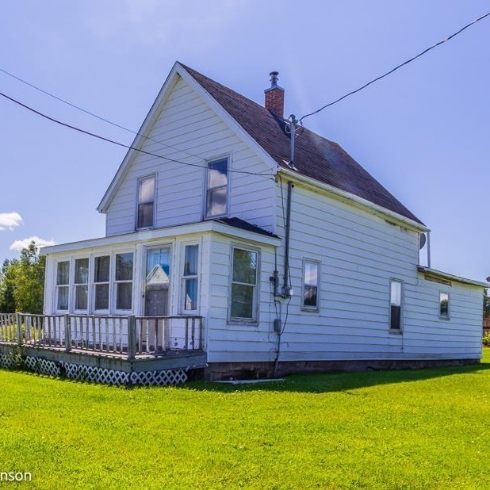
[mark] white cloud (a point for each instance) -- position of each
(10, 220)
(40, 242)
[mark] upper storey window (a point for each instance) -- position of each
(146, 202)
(217, 188)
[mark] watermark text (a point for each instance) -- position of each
(15, 476)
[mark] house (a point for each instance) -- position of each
(290, 254)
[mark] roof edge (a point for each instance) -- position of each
(359, 201)
(451, 277)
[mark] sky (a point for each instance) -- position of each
(423, 132)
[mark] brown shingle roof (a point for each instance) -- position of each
(315, 156)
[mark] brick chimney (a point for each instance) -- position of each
(274, 96)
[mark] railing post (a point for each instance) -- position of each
(67, 333)
(131, 337)
(201, 341)
(19, 328)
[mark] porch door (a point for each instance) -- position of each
(157, 281)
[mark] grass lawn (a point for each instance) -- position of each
(388, 430)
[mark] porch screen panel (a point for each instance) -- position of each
(190, 280)
(81, 284)
(124, 281)
(101, 281)
(62, 285)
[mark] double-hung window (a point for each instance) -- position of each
(124, 281)
(217, 188)
(146, 202)
(311, 276)
(244, 285)
(62, 285)
(190, 283)
(444, 305)
(395, 304)
(81, 284)
(101, 282)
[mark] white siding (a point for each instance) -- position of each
(187, 130)
(235, 342)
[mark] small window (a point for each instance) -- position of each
(124, 281)
(81, 284)
(444, 305)
(395, 304)
(101, 282)
(190, 277)
(244, 285)
(310, 285)
(146, 200)
(62, 285)
(217, 185)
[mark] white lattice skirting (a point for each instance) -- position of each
(93, 374)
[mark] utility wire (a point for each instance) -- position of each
(396, 67)
(108, 140)
(108, 121)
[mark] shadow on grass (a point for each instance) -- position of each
(338, 381)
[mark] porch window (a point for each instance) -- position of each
(444, 305)
(395, 304)
(190, 277)
(310, 285)
(81, 284)
(146, 200)
(124, 281)
(244, 285)
(217, 185)
(101, 282)
(62, 285)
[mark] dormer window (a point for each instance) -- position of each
(146, 202)
(217, 188)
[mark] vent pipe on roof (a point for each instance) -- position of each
(274, 96)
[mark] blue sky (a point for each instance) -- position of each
(423, 132)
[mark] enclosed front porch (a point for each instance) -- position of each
(113, 349)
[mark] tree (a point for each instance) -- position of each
(7, 300)
(486, 303)
(22, 282)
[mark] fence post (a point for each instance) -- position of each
(67, 333)
(131, 337)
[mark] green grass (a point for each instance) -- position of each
(389, 430)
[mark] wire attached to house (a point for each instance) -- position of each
(108, 121)
(396, 68)
(118, 143)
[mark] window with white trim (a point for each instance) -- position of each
(124, 281)
(244, 285)
(311, 275)
(217, 188)
(190, 282)
(102, 267)
(444, 305)
(146, 202)
(395, 304)
(81, 284)
(63, 285)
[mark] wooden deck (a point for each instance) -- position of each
(119, 344)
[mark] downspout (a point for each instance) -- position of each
(286, 289)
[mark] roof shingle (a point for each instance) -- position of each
(315, 156)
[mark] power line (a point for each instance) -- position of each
(396, 68)
(108, 121)
(108, 140)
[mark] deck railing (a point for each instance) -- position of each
(129, 336)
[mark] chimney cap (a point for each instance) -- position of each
(274, 78)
